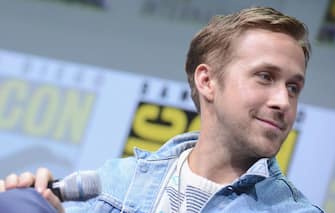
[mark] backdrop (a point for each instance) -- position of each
(68, 116)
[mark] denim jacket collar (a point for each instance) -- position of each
(171, 149)
(264, 167)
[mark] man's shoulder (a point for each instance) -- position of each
(280, 192)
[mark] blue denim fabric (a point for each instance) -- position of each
(132, 185)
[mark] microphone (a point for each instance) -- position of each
(78, 186)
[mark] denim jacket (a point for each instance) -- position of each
(133, 184)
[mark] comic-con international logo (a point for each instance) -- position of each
(44, 110)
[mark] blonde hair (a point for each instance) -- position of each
(213, 43)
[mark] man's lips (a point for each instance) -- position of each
(277, 124)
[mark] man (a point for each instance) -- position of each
(246, 71)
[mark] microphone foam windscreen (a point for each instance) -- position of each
(81, 186)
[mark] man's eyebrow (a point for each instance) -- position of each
(299, 77)
(270, 67)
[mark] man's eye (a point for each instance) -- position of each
(265, 76)
(293, 89)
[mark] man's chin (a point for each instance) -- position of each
(270, 149)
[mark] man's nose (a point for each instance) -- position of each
(279, 99)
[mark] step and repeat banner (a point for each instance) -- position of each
(68, 116)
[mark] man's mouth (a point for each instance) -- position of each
(277, 124)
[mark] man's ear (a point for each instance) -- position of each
(204, 81)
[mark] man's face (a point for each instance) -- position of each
(255, 104)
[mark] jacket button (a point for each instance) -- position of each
(230, 188)
(131, 205)
(143, 168)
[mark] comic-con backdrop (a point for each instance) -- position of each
(68, 116)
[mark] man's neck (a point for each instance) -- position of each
(216, 162)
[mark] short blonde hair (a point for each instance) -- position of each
(213, 43)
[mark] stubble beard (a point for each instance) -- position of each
(248, 142)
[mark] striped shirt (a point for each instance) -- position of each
(185, 191)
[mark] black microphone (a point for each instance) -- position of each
(78, 186)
